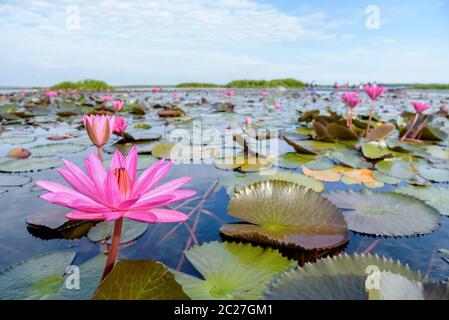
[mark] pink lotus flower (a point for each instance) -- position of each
(374, 91)
(155, 90)
(221, 91)
(22, 93)
(119, 126)
(106, 98)
(99, 128)
(52, 93)
(248, 121)
(277, 105)
(265, 94)
(351, 99)
(420, 106)
(117, 193)
(229, 93)
(118, 105)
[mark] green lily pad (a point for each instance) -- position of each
(55, 148)
(433, 174)
(375, 151)
(381, 133)
(285, 214)
(381, 177)
(142, 126)
(162, 150)
(37, 278)
(340, 132)
(131, 230)
(7, 180)
(17, 139)
(435, 196)
(139, 280)
(293, 160)
(90, 273)
(321, 163)
(231, 271)
(350, 158)
(398, 168)
(29, 164)
(322, 133)
(341, 277)
(385, 213)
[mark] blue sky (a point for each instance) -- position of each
(172, 41)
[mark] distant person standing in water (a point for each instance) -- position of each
(336, 86)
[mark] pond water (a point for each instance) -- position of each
(18, 204)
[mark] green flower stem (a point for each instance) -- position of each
(368, 126)
(415, 119)
(113, 249)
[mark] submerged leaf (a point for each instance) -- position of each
(29, 164)
(131, 230)
(385, 213)
(231, 271)
(286, 214)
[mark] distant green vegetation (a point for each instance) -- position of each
(439, 86)
(288, 83)
(197, 85)
(82, 85)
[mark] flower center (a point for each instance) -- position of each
(123, 181)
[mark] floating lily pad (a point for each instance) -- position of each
(385, 213)
(381, 177)
(328, 175)
(90, 273)
(131, 230)
(435, 196)
(433, 174)
(37, 278)
(340, 132)
(244, 164)
(398, 168)
(361, 176)
(293, 159)
(321, 163)
(382, 132)
(236, 181)
(231, 271)
(55, 148)
(29, 164)
(350, 158)
(162, 150)
(139, 280)
(341, 277)
(17, 139)
(286, 214)
(7, 180)
(375, 151)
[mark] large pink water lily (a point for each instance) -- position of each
(117, 193)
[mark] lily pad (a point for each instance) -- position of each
(293, 159)
(55, 148)
(90, 273)
(375, 151)
(162, 150)
(321, 163)
(350, 158)
(340, 132)
(381, 133)
(381, 177)
(398, 168)
(29, 164)
(435, 196)
(231, 271)
(131, 230)
(328, 175)
(361, 176)
(385, 213)
(7, 180)
(139, 280)
(37, 278)
(433, 174)
(244, 164)
(286, 214)
(17, 139)
(341, 277)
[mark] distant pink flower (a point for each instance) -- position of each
(229, 93)
(119, 126)
(22, 93)
(221, 91)
(117, 193)
(106, 98)
(374, 91)
(118, 105)
(52, 93)
(99, 128)
(277, 105)
(420, 106)
(265, 94)
(351, 99)
(155, 90)
(175, 96)
(248, 121)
